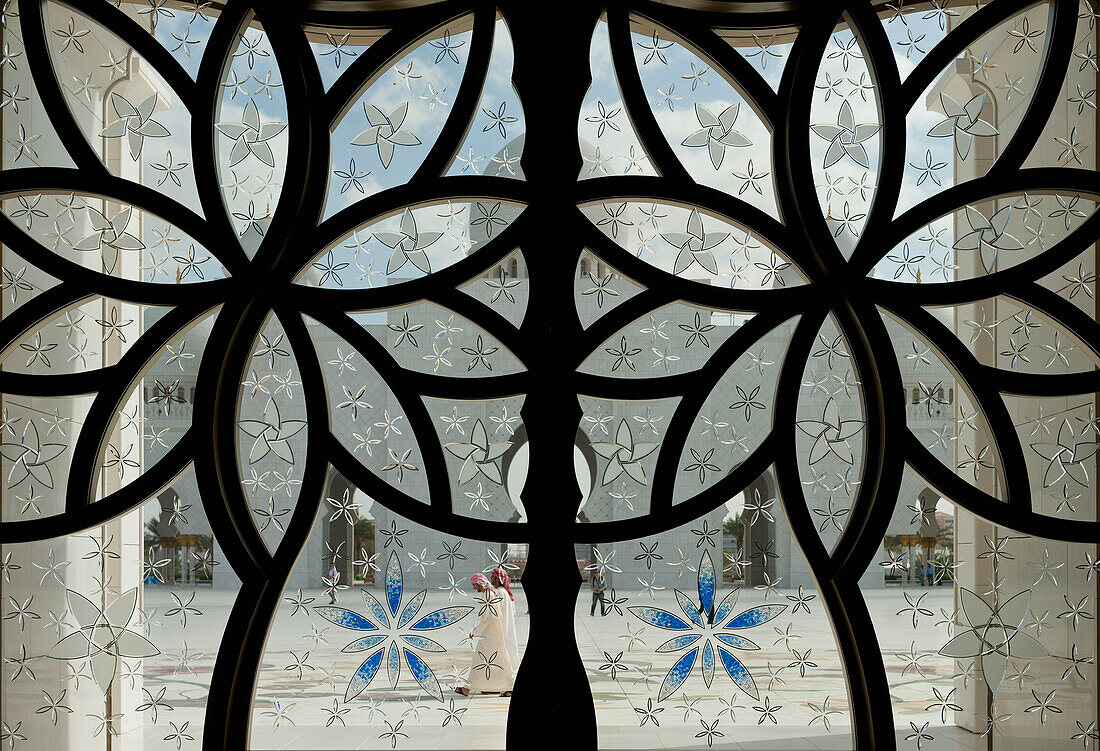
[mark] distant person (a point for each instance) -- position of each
(599, 587)
(333, 577)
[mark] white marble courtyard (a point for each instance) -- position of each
(300, 713)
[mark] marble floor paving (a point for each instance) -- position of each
(300, 697)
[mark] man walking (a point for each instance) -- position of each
(333, 578)
(598, 589)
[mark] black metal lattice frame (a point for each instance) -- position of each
(551, 81)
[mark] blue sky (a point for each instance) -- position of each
(426, 81)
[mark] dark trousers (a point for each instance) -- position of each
(597, 597)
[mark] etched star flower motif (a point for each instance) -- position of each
(478, 455)
(993, 635)
(408, 245)
(1066, 457)
(135, 123)
(716, 133)
(102, 637)
(846, 138)
(30, 457)
(695, 245)
(988, 236)
(830, 434)
(385, 132)
(109, 233)
(963, 122)
(624, 455)
(251, 136)
(271, 434)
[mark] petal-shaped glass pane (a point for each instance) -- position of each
(251, 138)
(494, 142)
(369, 421)
(155, 416)
(983, 238)
(388, 131)
(273, 432)
(943, 410)
(831, 424)
(133, 110)
(736, 416)
(108, 431)
(691, 244)
(674, 339)
(705, 115)
(120, 239)
(409, 244)
(609, 144)
(845, 138)
(960, 125)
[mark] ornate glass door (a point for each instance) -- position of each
(468, 374)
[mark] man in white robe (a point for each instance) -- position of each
(492, 670)
(503, 584)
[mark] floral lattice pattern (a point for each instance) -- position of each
(761, 287)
